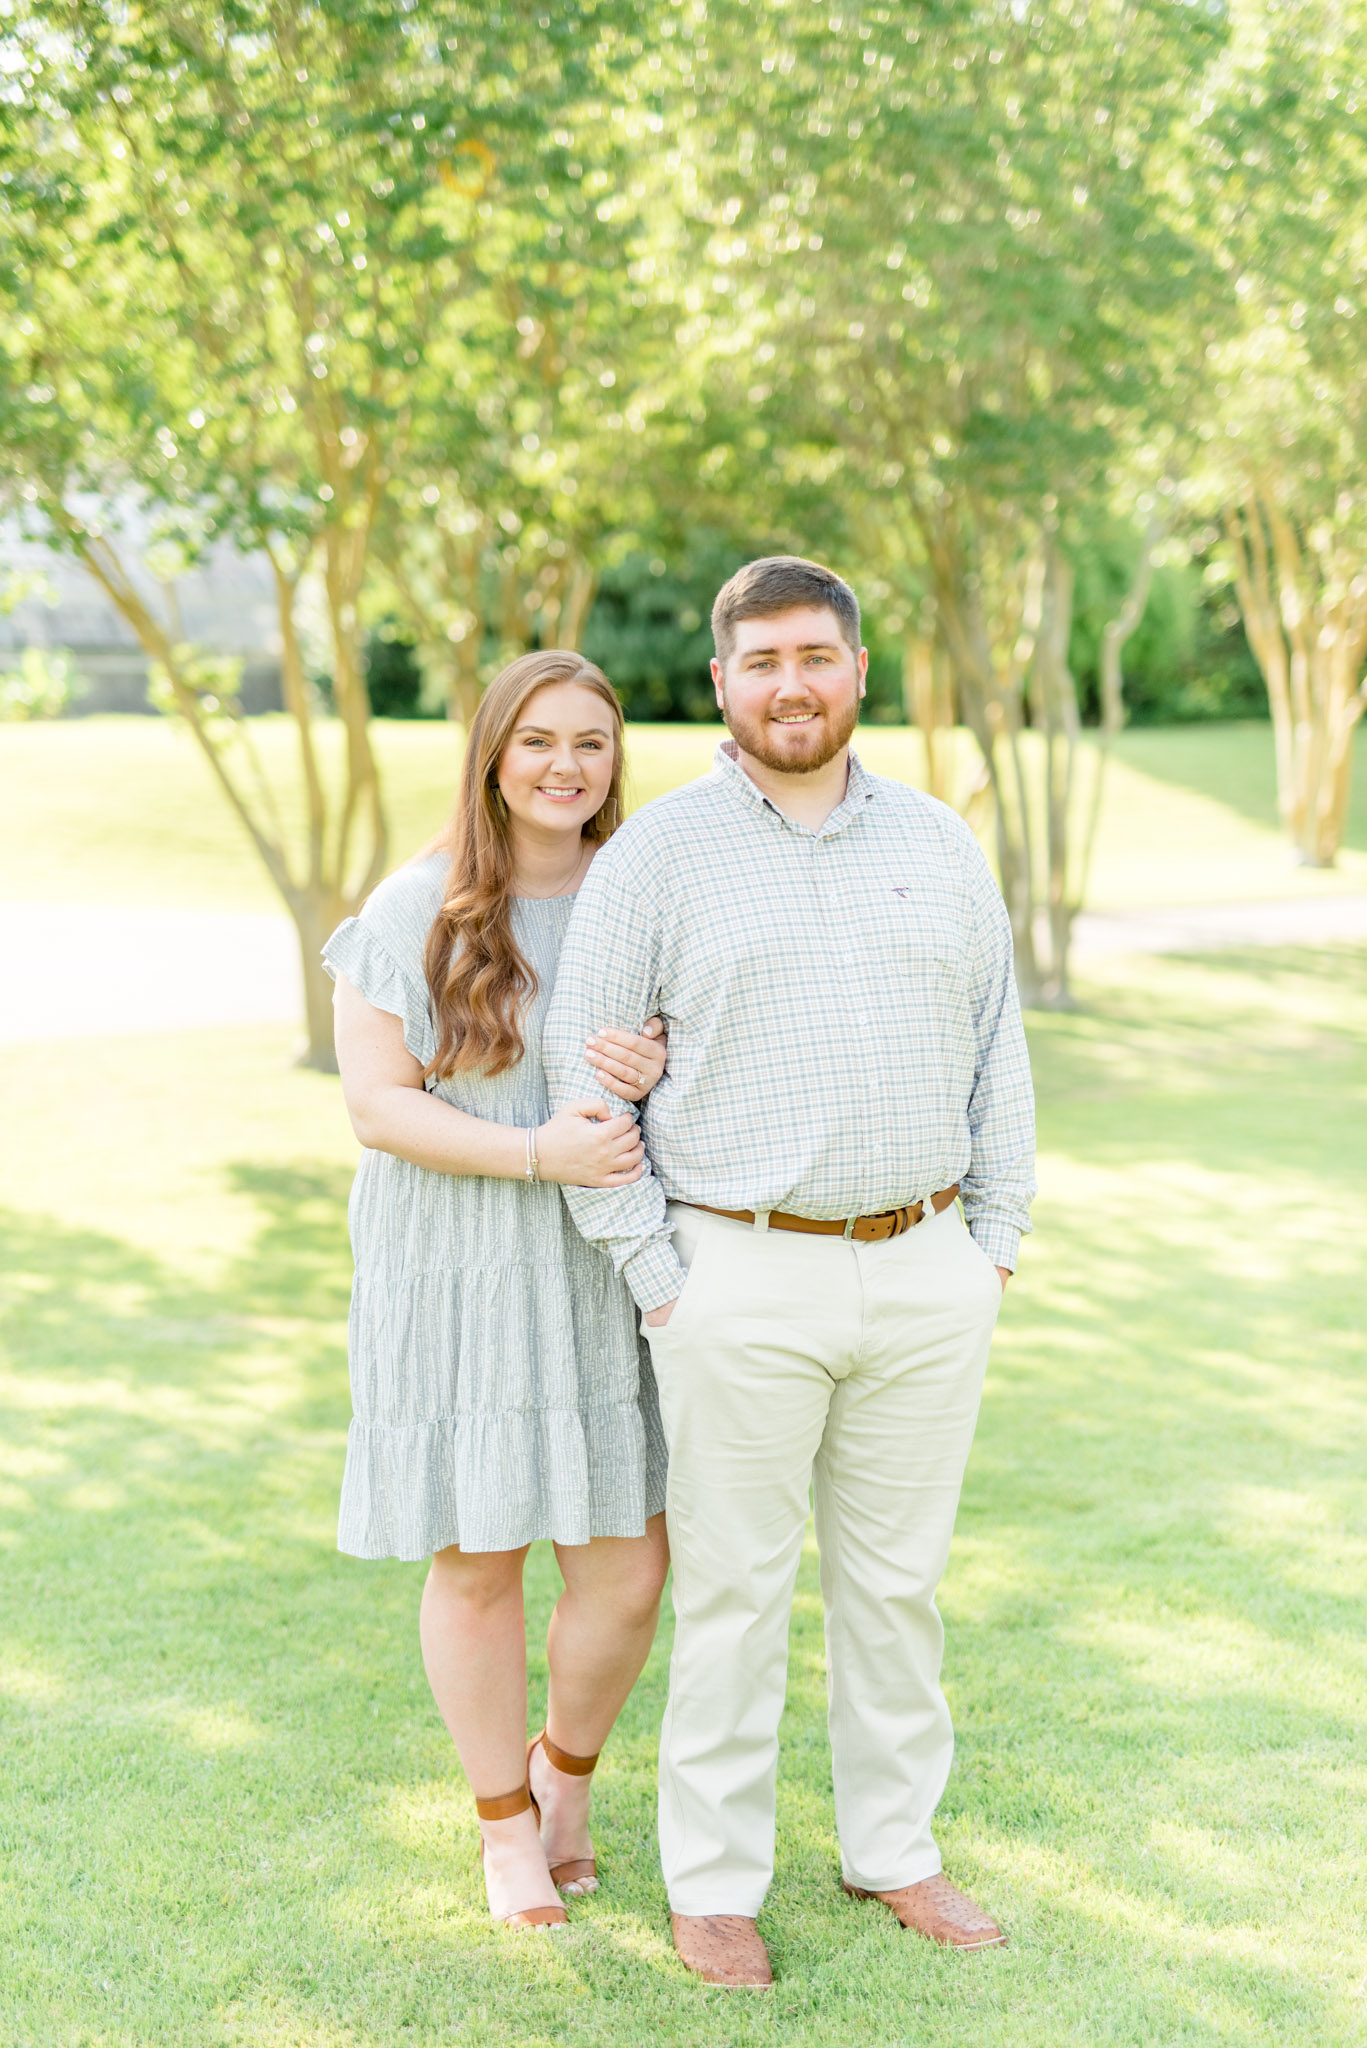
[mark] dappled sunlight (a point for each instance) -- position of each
(434, 1816)
(28, 1683)
(445, 1920)
(211, 1729)
(1175, 835)
(1157, 1923)
(1211, 1655)
(1155, 1598)
(94, 1497)
(1235, 761)
(131, 1347)
(1201, 1866)
(1134, 1005)
(1302, 1537)
(154, 1167)
(1153, 1605)
(644, 1943)
(446, 1910)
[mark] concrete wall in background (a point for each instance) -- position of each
(226, 604)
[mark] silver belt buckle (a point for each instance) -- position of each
(848, 1232)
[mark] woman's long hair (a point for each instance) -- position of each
(479, 980)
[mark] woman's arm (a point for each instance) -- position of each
(391, 1111)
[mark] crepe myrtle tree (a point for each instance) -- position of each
(493, 539)
(534, 464)
(1286, 409)
(238, 248)
(954, 248)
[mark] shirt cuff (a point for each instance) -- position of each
(999, 1239)
(654, 1274)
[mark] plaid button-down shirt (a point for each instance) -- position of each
(844, 1030)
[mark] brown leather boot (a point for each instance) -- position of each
(939, 1910)
(722, 1948)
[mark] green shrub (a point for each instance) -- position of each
(1187, 658)
(394, 676)
(648, 630)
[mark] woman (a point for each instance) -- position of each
(501, 1394)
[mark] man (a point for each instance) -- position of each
(833, 961)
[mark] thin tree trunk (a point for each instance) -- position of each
(316, 917)
(463, 688)
(1263, 626)
(318, 899)
(929, 702)
(1339, 656)
(1113, 638)
(1055, 699)
(990, 721)
(1305, 613)
(578, 603)
(294, 689)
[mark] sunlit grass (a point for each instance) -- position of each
(230, 1812)
(123, 810)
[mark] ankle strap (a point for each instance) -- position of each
(572, 1766)
(506, 1806)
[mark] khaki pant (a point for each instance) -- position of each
(791, 1362)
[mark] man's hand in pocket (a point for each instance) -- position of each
(656, 1316)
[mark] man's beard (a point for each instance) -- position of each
(805, 748)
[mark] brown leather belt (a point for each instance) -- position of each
(863, 1229)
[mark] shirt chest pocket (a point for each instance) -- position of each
(916, 953)
(916, 927)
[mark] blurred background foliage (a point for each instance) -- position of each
(492, 329)
(648, 627)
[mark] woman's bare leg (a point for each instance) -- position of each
(474, 1647)
(599, 1638)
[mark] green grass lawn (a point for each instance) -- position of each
(123, 810)
(230, 1814)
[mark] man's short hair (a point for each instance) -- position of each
(782, 583)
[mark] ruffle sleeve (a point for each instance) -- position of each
(355, 951)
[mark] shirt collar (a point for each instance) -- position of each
(859, 790)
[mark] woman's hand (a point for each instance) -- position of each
(585, 1146)
(630, 1062)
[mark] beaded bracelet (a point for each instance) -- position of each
(533, 1164)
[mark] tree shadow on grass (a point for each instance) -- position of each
(182, 1646)
(1242, 1065)
(1239, 775)
(232, 1799)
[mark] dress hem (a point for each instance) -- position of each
(541, 1534)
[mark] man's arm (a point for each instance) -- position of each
(608, 976)
(1000, 1181)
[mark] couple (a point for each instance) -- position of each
(803, 973)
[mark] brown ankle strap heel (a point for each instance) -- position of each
(572, 1766)
(506, 1807)
(580, 1875)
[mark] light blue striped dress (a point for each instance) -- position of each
(501, 1392)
